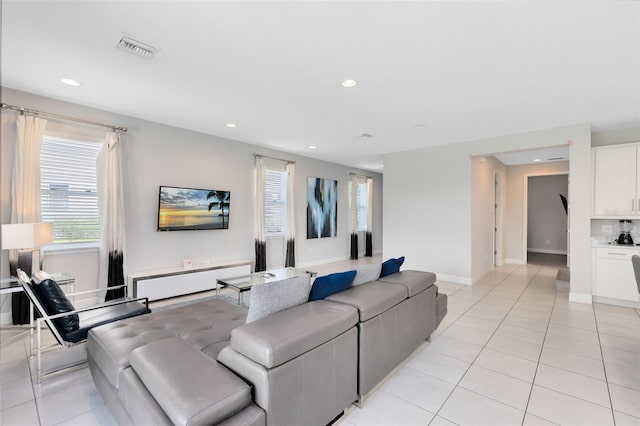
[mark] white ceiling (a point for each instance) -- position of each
(464, 70)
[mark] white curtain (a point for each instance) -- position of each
(111, 208)
(25, 194)
(290, 233)
(259, 229)
(353, 215)
(368, 237)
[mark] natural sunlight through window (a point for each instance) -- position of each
(68, 189)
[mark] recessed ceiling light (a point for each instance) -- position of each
(536, 160)
(349, 83)
(70, 82)
(232, 125)
(312, 147)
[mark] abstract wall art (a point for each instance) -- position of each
(322, 207)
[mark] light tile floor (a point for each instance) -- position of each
(514, 351)
(511, 351)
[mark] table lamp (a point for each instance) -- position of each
(27, 238)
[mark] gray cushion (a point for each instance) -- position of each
(190, 387)
(285, 335)
(371, 299)
(277, 296)
(367, 273)
(204, 325)
(413, 281)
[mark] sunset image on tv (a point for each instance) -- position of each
(191, 209)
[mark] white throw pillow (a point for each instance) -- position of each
(367, 273)
(267, 299)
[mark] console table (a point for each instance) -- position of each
(171, 282)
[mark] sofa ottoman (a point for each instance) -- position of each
(191, 388)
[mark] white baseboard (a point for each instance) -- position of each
(580, 298)
(322, 261)
(481, 275)
(453, 279)
(514, 261)
(545, 251)
(617, 302)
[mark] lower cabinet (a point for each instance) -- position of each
(613, 275)
(167, 283)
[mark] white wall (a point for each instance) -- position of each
(427, 203)
(546, 217)
(616, 136)
(514, 243)
(156, 154)
(482, 213)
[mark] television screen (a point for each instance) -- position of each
(190, 209)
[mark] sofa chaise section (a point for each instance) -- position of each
(206, 326)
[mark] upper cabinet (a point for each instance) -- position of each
(616, 181)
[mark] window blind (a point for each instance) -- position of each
(275, 202)
(361, 203)
(68, 189)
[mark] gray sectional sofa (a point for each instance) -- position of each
(202, 364)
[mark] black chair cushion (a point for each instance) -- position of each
(55, 302)
(104, 315)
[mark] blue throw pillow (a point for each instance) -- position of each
(391, 266)
(330, 284)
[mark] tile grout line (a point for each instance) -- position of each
(535, 373)
(33, 390)
(604, 367)
(492, 334)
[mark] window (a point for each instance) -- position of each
(362, 201)
(68, 189)
(275, 202)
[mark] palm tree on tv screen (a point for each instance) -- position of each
(222, 200)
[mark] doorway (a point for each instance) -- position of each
(546, 219)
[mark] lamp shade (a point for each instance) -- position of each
(26, 235)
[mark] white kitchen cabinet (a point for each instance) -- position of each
(613, 276)
(616, 181)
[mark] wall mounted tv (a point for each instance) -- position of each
(186, 209)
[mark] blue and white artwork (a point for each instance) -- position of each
(322, 207)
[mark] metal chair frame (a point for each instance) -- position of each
(48, 320)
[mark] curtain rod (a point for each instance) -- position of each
(274, 158)
(63, 117)
(359, 175)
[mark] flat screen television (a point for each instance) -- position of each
(188, 209)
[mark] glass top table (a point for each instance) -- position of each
(11, 285)
(243, 283)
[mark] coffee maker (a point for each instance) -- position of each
(625, 233)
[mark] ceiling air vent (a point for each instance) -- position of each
(365, 135)
(136, 47)
(555, 158)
